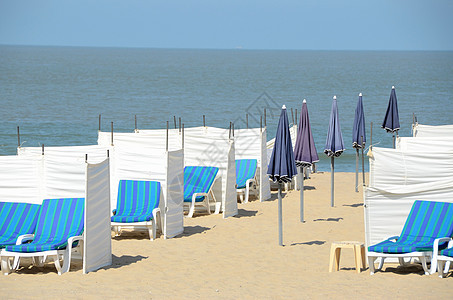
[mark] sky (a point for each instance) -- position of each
(217, 24)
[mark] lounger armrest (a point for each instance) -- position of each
(73, 239)
(24, 238)
(155, 212)
(450, 244)
(441, 240)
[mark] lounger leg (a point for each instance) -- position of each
(447, 266)
(247, 192)
(425, 267)
(440, 265)
(16, 262)
(381, 263)
(56, 261)
(241, 197)
(371, 264)
(191, 210)
(6, 266)
(152, 230)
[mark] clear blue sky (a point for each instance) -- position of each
(256, 24)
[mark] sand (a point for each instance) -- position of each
(239, 258)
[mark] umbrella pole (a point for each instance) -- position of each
(363, 164)
(357, 170)
(332, 167)
(302, 171)
(393, 135)
(280, 230)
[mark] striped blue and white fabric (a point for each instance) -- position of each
(198, 180)
(136, 201)
(58, 220)
(427, 221)
(16, 219)
(245, 170)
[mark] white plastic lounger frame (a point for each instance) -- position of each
(40, 257)
(205, 203)
(250, 183)
(441, 261)
(152, 226)
(422, 256)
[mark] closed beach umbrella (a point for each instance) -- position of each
(282, 166)
(304, 151)
(392, 121)
(334, 142)
(359, 139)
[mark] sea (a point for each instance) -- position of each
(56, 94)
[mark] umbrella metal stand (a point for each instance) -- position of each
(357, 170)
(280, 226)
(332, 167)
(302, 176)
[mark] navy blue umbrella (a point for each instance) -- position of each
(304, 151)
(282, 166)
(334, 142)
(359, 139)
(392, 121)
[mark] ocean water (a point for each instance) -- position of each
(55, 94)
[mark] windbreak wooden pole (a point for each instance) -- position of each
(111, 134)
(166, 141)
(247, 120)
(135, 117)
(204, 121)
(18, 137)
(182, 136)
(99, 122)
(174, 119)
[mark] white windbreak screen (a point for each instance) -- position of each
(433, 131)
(209, 146)
(425, 144)
(386, 212)
(392, 169)
(251, 144)
(95, 153)
(397, 179)
(156, 138)
(139, 161)
(174, 216)
(97, 233)
(20, 179)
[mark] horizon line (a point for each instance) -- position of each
(237, 48)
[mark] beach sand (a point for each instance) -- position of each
(239, 258)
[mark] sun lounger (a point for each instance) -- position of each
(245, 177)
(137, 206)
(198, 182)
(443, 257)
(58, 231)
(427, 221)
(16, 219)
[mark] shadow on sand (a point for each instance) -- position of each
(310, 243)
(245, 213)
(328, 220)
